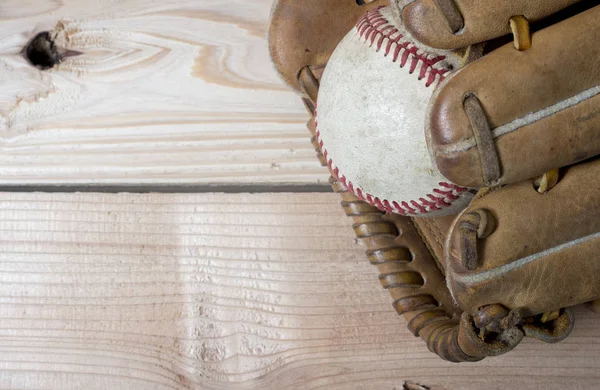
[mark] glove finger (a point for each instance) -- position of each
(305, 33)
(532, 252)
(452, 24)
(513, 115)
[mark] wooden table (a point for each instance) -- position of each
(209, 286)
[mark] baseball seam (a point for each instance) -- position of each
(443, 196)
(374, 27)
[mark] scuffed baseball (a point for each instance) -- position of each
(370, 118)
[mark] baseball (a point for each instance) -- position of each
(370, 118)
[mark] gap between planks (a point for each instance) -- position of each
(176, 189)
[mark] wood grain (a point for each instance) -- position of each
(216, 291)
(166, 92)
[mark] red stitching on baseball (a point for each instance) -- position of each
(373, 25)
(446, 194)
(370, 27)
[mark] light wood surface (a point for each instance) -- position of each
(219, 291)
(173, 92)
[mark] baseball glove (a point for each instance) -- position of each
(515, 123)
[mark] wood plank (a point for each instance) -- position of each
(165, 93)
(223, 291)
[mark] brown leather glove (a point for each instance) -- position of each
(475, 284)
(514, 116)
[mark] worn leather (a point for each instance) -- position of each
(423, 262)
(305, 33)
(483, 20)
(409, 252)
(542, 254)
(541, 105)
(433, 232)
